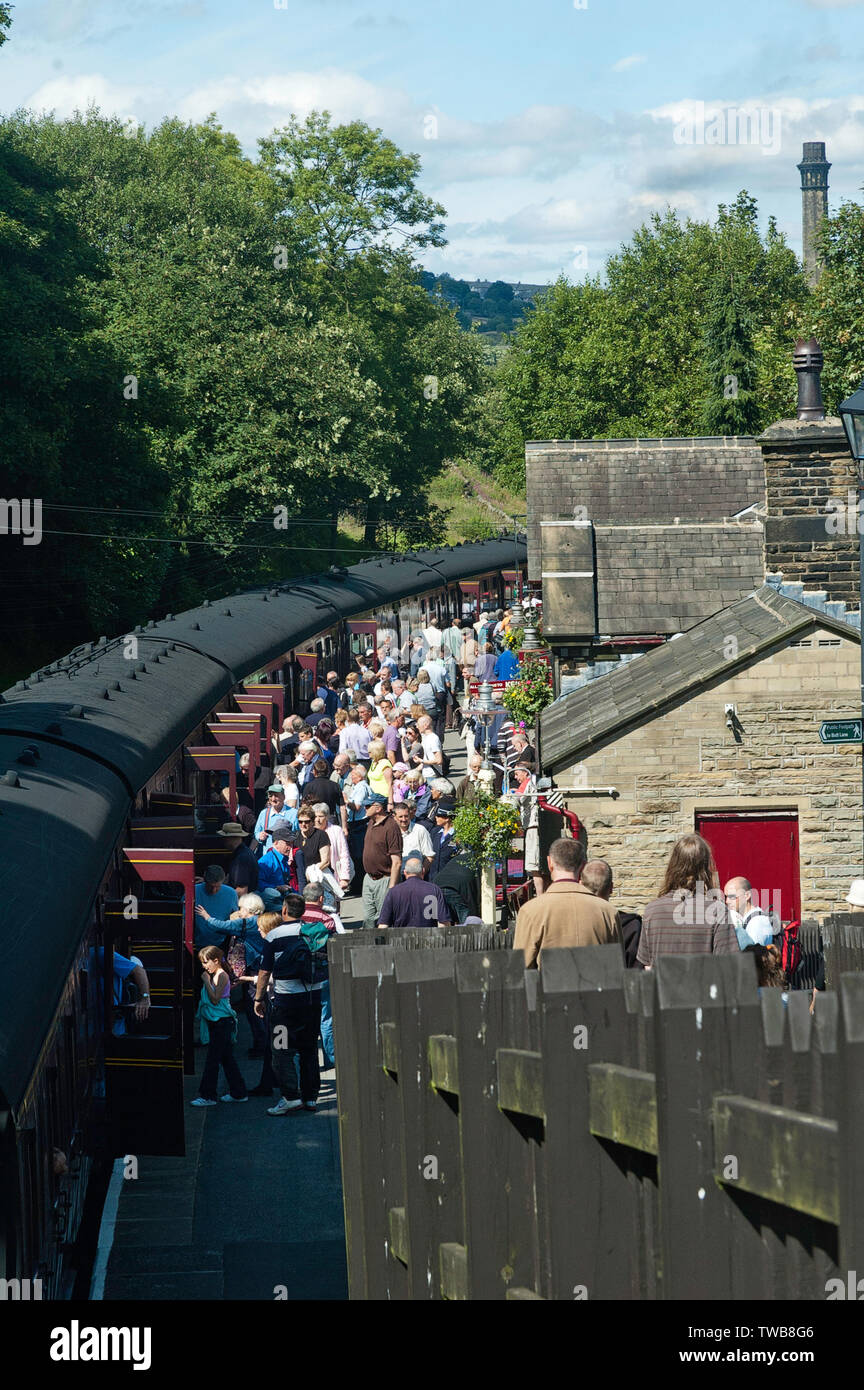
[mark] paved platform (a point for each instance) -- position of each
(254, 1209)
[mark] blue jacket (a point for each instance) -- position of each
(213, 933)
(273, 869)
(506, 666)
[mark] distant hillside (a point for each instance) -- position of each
(490, 306)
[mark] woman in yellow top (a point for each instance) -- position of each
(380, 775)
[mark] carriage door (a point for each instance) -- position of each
(762, 848)
(144, 1058)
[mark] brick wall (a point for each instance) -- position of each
(688, 760)
(806, 464)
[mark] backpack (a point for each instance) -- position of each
(789, 946)
(307, 960)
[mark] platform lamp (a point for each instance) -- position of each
(485, 710)
(852, 415)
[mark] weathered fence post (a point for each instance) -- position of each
(592, 1229)
(362, 1120)
(708, 1028)
(425, 1006)
(497, 1163)
(851, 1132)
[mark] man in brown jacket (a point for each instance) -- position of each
(566, 914)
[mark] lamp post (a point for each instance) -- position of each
(485, 712)
(852, 415)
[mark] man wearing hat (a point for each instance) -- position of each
(855, 896)
(243, 868)
(280, 872)
(443, 840)
(275, 816)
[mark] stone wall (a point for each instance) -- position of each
(624, 482)
(806, 465)
(688, 761)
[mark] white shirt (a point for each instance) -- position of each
(418, 841)
(433, 636)
(758, 927)
(431, 745)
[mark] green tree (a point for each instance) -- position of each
(66, 436)
(353, 196)
(835, 313)
(350, 190)
(628, 353)
(499, 292)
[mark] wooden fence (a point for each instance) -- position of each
(591, 1132)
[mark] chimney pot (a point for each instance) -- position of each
(808, 361)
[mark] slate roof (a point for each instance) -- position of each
(627, 482)
(668, 578)
(763, 622)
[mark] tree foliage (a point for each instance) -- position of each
(239, 348)
(640, 351)
(835, 315)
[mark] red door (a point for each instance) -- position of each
(762, 848)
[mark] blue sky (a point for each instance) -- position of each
(549, 130)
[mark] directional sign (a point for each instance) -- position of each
(840, 731)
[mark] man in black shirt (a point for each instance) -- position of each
(320, 787)
(243, 870)
(295, 1018)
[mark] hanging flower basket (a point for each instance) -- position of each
(486, 827)
(529, 694)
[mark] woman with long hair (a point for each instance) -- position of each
(380, 773)
(218, 1025)
(689, 915)
(425, 693)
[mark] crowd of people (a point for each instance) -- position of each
(357, 802)
(691, 915)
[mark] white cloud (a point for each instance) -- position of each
(632, 61)
(64, 95)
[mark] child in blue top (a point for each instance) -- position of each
(218, 1024)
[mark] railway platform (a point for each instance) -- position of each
(252, 1211)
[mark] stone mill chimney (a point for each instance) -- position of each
(814, 202)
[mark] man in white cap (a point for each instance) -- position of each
(855, 896)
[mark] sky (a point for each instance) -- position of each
(549, 129)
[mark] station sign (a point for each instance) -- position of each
(840, 731)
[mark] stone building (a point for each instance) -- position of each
(772, 503)
(776, 804)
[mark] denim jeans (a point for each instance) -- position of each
(326, 1027)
